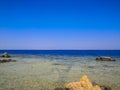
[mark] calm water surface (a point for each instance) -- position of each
(48, 69)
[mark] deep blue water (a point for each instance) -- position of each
(67, 52)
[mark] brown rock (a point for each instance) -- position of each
(105, 58)
(3, 60)
(83, 84)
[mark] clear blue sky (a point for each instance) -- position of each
(59, 24)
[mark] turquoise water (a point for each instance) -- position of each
(46, 71)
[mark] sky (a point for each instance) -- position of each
(60, 24)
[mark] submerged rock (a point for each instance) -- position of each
(105, 58)
(3, 60)
(61, 89)
(85, 84)
(5, 55)
(105, 88)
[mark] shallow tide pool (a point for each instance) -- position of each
(50, 72)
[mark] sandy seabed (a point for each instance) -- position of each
(41, 73)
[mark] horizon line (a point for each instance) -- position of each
(59, 49)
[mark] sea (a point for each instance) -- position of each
(50, 69)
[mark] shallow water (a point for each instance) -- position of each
(46, 72)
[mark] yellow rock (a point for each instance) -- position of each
(83, 84)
